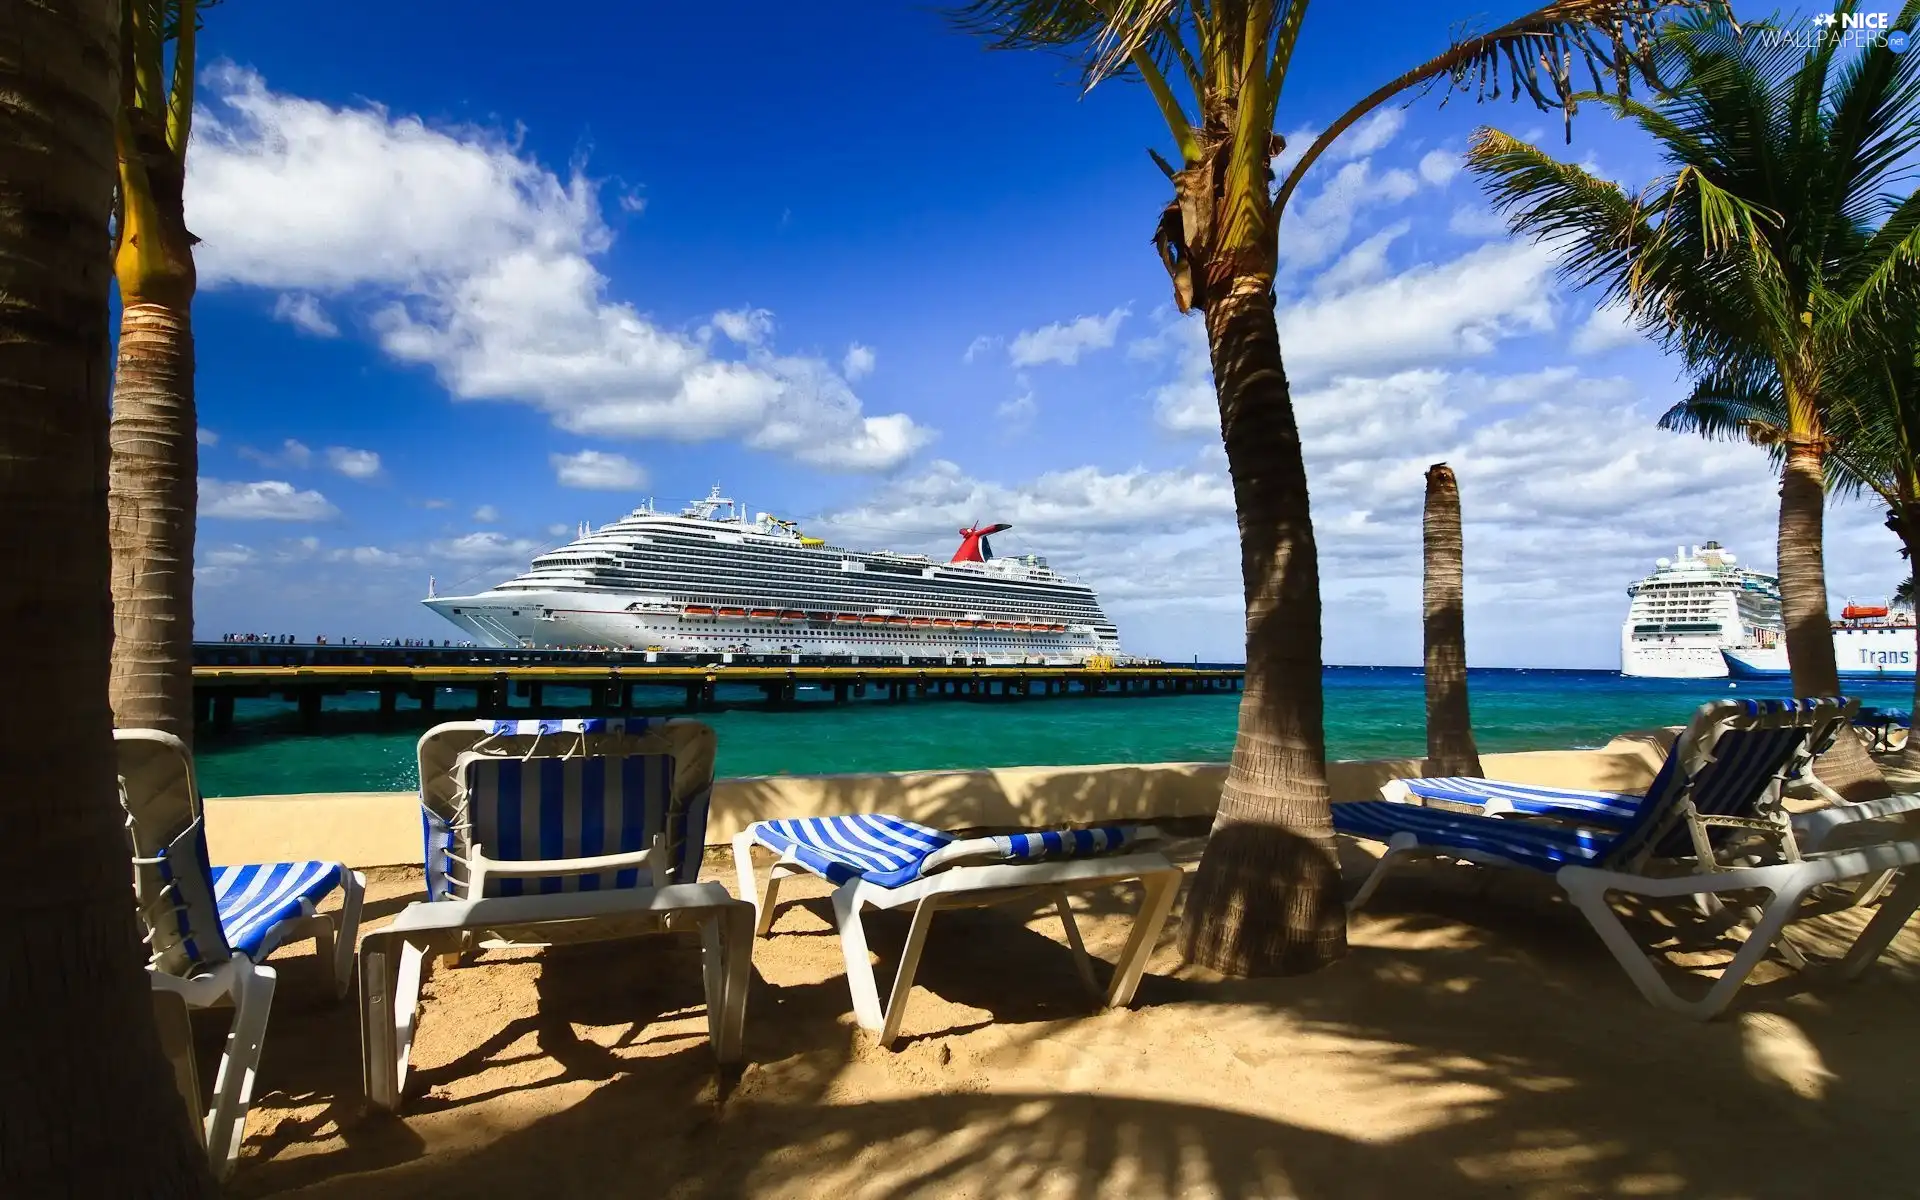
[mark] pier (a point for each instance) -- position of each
(518, 683)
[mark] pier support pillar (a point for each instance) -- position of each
(389, 703)
(203, 708)
(536, 694)
(309, 711)
(427, 696)
(839, 693)
(693, 697)
(222, 712)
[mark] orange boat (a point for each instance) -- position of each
(873, 619)
(942, 623)
(697, 610)
(846, 618)
(793, 614)
(898, 621)
(1003, 624)
(729, 612)
(963, 623)
(1025, 627)
(1854, 612)
(919, 622)
(764, 614)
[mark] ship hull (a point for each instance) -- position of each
(1860, 654)
(1672, 658)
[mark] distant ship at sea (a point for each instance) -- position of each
(709, 580)
(1693, 608)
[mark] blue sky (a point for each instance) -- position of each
(468, 280)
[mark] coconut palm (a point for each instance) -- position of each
(155, 455)
(1265, 898)
(87, 1103)
(1450, 748)
(1756, 260)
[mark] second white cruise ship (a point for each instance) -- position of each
(709, 580)
(1691, 608)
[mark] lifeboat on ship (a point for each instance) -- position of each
(1003, 625)
(919, 622)
(697, 610)
(1025, 627)
(1860, 612)
(963, 623)
(943, 622)
(764, 614)
(873, 619)
(729, 612)
(793, 614)
(898, 621)
(846, 618)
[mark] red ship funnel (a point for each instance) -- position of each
(974, 546)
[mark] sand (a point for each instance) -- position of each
(1476, 1041)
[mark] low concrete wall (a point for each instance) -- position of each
(370, 829)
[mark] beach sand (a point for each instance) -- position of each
(1478, 1040)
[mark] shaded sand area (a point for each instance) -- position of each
(1478, 1040)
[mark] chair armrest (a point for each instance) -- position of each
(1816, 828)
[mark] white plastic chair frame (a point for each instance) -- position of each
(952, 886)
(238, 981)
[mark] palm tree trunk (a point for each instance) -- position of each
(150, 501)
(87, 1102)
(1266, 898)
(1846, 768)
(1450, 748)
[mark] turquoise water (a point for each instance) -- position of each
(1372, 712)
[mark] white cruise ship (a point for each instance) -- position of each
(1691, 608)
(708, 580)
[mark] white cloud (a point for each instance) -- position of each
(559, 530)
(354, 464)
(1016, 415)
(373, 556)
(597, 470)
(1365, 263)
(747, 326)
(1371, 134)
(206, 437)
(1476, 221)
(486, 546)
(486, 514)
(1438, 167)
(480, 263)
(978, 346)
(304, 311)
(1609, 327)
(858, 364)
(1065, 342)
(266, 500)
(436, 502)
(290, 454)
(233, 555)
(1315, 227)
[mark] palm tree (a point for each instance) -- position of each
(1755, 260)
(155, 455)
(1450, 748)
(1265, 899)
(87, 1103)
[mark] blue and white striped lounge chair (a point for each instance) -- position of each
(1749, 737)
(1669, 846)
(878, 861)
(209, 929)
(571, 830)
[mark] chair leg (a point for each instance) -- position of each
(853, 949)
(353, 887)
(762, 897)
(1081, 963)
(730, 950)
(233, 1085)
(1888, 922)
(391, 972)
(1399, 846)
(1147, 923)
(903, 977)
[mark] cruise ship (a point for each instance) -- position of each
(1870, 641)
(709, 580)
(1692, 608)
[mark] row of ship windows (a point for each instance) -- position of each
(745, 594)
(799, 583)
(733, 558)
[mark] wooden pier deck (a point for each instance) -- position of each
(521, 689)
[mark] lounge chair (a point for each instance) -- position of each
(886, 862)
(1764, 729)
(1671, 845)
(209, 929)
(540, 832)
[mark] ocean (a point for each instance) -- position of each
(1372, 712)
